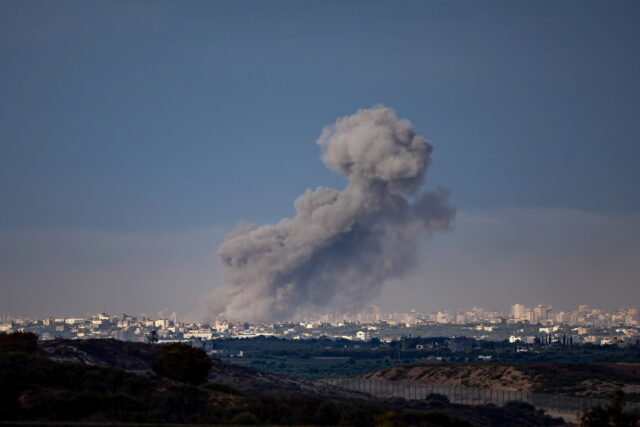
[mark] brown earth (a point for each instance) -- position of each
(594, 388)
(627, 369)
(593, 380)
(484, 376)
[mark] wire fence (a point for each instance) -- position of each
(553, 403)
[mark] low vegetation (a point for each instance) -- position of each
(183, 363)
(36, 388)
(613, 415)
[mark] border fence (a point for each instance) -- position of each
(552, 403)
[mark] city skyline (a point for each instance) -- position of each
(533, 314)
(531, 326)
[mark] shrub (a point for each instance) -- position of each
(612, 415)
(357, 417)
(183, 363)
(244, 418)
(389, 419)
(442, 419)
(19, 341)
(327, 413)
(222, 388)
(520, 405)
(437, 397)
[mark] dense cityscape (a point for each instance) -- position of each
(522, 324)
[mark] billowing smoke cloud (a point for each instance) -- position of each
(341, 246)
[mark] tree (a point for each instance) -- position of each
(152, 338)
(613, 415)
(183, 363)
(19, 341)
(389, 419)
(438, 397)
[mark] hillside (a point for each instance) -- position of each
(140, 357)
(593, 380)
(485, 376)
(105, 381)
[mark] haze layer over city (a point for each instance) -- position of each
(271, 164)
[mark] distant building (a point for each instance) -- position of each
(518, 312)
(205, 334)
(444, 317)
(162, 323)
(363, 335)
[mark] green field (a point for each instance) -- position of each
(315, 367)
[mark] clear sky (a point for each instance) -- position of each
(135, 134)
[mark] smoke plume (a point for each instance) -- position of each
(341, 246)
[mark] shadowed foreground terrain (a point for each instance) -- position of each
(96, 381)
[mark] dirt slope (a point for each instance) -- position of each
(593, 380)
(485, 376)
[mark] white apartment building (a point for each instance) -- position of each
(363, 335)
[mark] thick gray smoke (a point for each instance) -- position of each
(341, 246)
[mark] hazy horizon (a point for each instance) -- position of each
(451, 287)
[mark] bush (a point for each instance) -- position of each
(183, 363)
(612, 415)
(244, 418)
(437, 397)
(357, 417)
(442, 419)
(19, 341)
(389, 419)
(520, 405)
(327, 413)
(222, 388)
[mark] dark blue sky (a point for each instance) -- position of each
(157, 117)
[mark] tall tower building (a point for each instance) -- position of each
(518, 311)
(376, 313)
